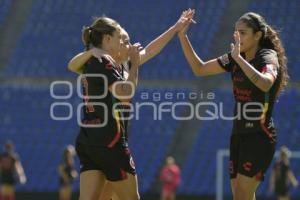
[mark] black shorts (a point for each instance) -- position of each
(250, 154)
(114, 162)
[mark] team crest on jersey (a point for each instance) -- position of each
(109, 66)
(224, 59)
(247, 166)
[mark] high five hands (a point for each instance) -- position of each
(184, 21)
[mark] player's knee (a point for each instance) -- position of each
(128, 196)
(233, 188)
(242, 192)
(134, 196)
(88, 197)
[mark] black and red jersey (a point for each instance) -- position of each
(253, 107)
(97, 77)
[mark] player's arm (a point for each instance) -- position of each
(155, 46)
(199, 67)
(124, 89)
(263, 81)
(62, 173)
(76, 64)
(272, 181)
(20, 172)
(292, 178)
(74, 173)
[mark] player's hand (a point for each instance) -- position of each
(23, 180)
(74, 174)
(134, 54)
(184, 21)
(235, 48)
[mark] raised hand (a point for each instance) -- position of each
(134, 54)
(235, 48)
(185, 19)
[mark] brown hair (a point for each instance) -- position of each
(270, 40)
(93, 35)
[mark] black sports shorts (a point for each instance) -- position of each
(114, 162)
(250, 154)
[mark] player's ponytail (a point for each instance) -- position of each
(269, 40)
(93, 35)
(86, 37)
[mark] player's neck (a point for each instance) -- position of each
(250, 55)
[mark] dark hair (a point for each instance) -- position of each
(270, 40)
(93, 35)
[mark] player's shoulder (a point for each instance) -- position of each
(266, 52)
(97, 61)
(268, 55)
(95, 64)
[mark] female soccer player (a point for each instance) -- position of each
(100, 145)
(67, 173)
(121, 59)
(10, 169)
(257, 64)
(282, 176)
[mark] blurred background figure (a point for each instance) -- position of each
(11, 171)
(170, 179)
(282, 175)
(67, 173)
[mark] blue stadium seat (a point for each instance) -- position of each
(53, 34)
(5, 6)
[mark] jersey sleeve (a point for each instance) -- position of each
(226, 62)
(269, 62)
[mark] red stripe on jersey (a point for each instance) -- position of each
(115, 140)
(118, 135)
